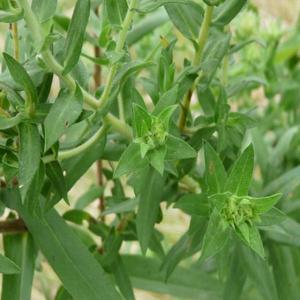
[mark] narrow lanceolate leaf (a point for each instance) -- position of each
(78, 270)
(285, 272)
(122, 278)
(264, 204)
(55, 174)
(226, 12)
(63, 113)
(116, 11)
(75, 167)
(75, 35)
(240, 176)
(186, 283)
(29, 156)
(130, 161)
(186, 17)
(22, 78)
(193, 204)
(32, 198)
(214, 171)
(141, 120)
(150, 193)
(21, 249)
(156, 158)
(236, 277)
(216, 236)
(259, 272)
(7, 266)
(179, 149)
(147, 7)
(167, 99)
(249, 234)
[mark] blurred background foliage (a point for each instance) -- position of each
(271, 30)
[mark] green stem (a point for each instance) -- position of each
(66, 154)
(32, 23)
(202, 39)
(203, 34)
(119, 126)
(119, 47)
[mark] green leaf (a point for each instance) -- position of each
(76, 267)
(62, 294)
(186, 283)
(149, 201)
(215, 173)
(6, 123)
(169, 98)
(236, 277)
(284, 183)
(55, 174)
(216, 236)
(32, 198)
(88, 197)
(226, 12)
(178, 149)
(123, 207)
(21, 249)
(207, 100)
(75, 167)
(146, 26)
(166, 114)
(130, 161)
(287, 232)
(141, 120)
(149, 6)
(29, 155)
(186, 17)
(77, 216)
(44, 9)
(63, 113)
(272, 217)
(188, 244)
(156, 158)
(13, 97)
(264, 204)
(122, 278)
(249, 234)
(216, 48)
(116, 11)
(7, 266)
(193, 204)
(240, 176)
(285, 272)
(11, 15)
(259, 272)
(76, 34)
(21, 77)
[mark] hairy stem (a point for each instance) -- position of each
(202, 39)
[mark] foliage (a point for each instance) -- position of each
(160, 96)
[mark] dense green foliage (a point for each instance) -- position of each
(161, 96)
